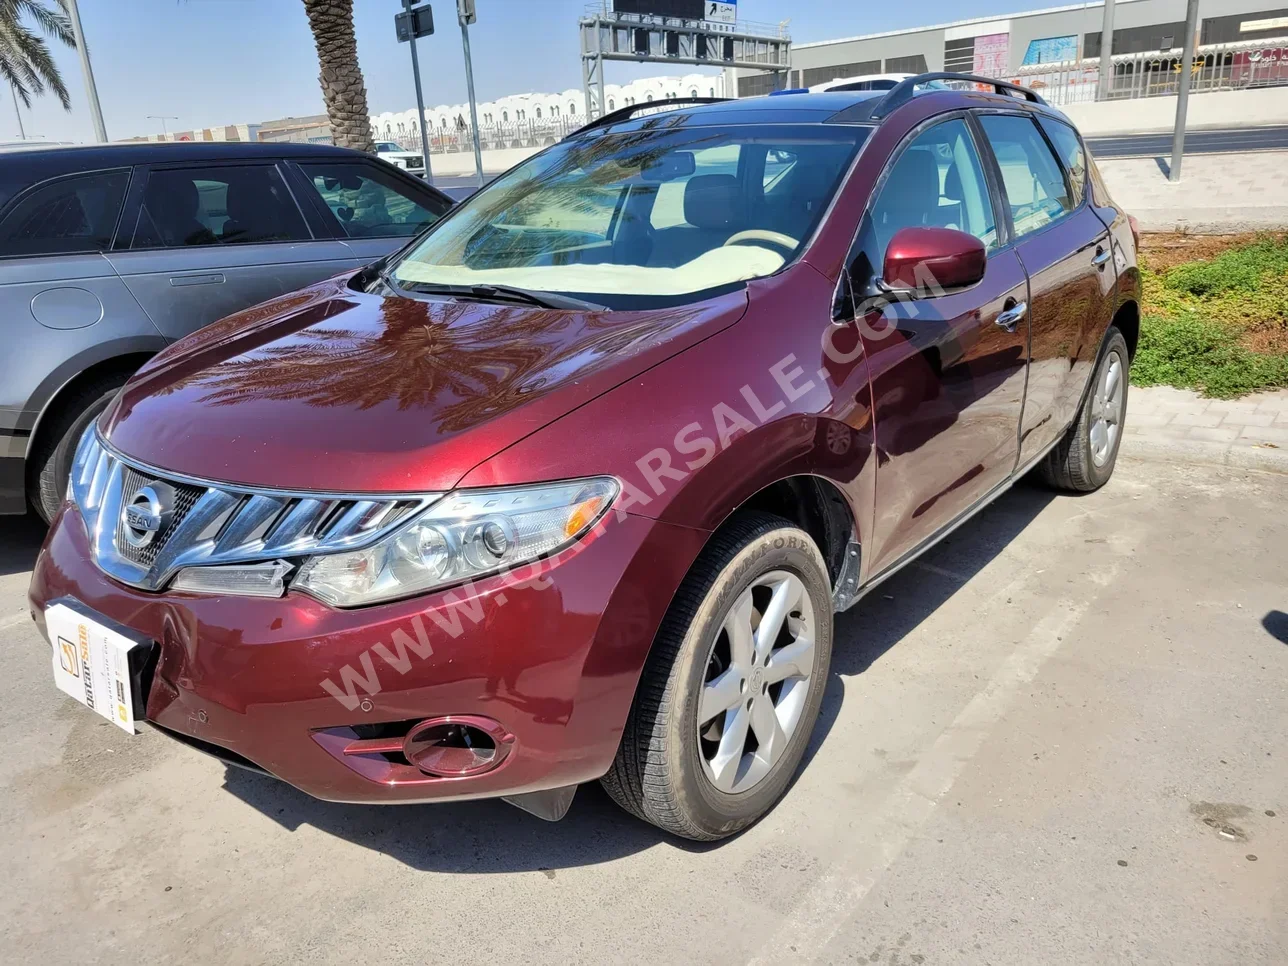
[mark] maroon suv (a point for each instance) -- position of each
(571, 488)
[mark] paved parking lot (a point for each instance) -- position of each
(1058, 738)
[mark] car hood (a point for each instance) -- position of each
(333, 389)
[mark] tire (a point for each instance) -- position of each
(1081, 462)
(662, 772)
(52, 462)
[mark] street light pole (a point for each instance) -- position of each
(1183, 100)
(420, 100)
(22, 133)
(163, 118)
(1106, 52)
(466, 15)
(91, 90)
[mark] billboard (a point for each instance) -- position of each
(992, 55)
(682, 9)
(1052, 50)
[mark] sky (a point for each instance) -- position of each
(216, 62)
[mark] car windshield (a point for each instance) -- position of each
(641, 217)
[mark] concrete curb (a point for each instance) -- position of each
(1267, 458)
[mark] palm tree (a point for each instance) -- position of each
(343, 89)
(25, 61)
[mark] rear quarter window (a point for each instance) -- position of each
(67, 215)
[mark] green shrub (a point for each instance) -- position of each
(1248, 271)
(1191, 352)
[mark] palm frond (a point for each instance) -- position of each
(25, 60)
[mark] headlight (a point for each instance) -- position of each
(467, 534)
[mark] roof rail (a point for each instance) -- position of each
(627, 112)
(902, 92)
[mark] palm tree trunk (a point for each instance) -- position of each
(343, 89)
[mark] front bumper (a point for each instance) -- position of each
(555, 666)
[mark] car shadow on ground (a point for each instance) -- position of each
(488, 837)
(897, 606)
(20, 540)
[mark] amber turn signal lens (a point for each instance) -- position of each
(582, 515)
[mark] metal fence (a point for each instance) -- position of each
(515, 134)
(1235, 66)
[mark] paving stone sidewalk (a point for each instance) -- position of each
(1177, 424)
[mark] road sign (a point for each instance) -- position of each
(465, 12)
(720, 11)
(417, 22)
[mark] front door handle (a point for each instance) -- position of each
(1012, 317)
(209, 278)
(1102, 256)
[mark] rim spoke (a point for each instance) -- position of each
(1112, 379)
(796, 660)
(786, 595)
(769, 733)
(724, 764)
(738, 626)
(720, 694)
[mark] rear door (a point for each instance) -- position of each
(947, 369)
(204, 240)
(1066, 250)
(373, 209)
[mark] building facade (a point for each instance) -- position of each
(542, 111)
(1001, 46)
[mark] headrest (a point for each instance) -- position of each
(914, 182)
(171, 195)
(713, 201)
(953, 183)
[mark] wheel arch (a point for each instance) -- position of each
(1127, 321)
(124, 356)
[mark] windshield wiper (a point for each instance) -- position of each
(508, 293)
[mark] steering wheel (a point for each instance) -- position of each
(757, 236)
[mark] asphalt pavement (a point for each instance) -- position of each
(1057, 738)
(1196, 142)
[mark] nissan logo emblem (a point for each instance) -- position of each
(147, 514)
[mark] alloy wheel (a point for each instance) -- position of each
(1107, 409)
(757, 682)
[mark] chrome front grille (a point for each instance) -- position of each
(217, 524)
(186, 497)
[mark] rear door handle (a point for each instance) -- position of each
(1009, 319)
(1102, 256)
(210, 278)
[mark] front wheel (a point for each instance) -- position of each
(52, 463)
(1084, 460)
(732, 686)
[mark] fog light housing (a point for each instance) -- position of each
(457, 746)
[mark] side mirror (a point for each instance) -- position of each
(923, 262)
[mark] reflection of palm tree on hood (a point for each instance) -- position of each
(463, 361)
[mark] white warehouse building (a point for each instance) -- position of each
(553, 110)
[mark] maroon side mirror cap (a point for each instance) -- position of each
(924, 262)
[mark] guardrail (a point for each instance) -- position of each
(1234, 66)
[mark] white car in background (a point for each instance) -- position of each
(413, 162)
(870, 82)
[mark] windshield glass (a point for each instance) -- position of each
(622, 219)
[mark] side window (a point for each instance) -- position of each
(76, 214)
(1034, 182)
(1069, 146)
(937, 182)
(369, 203)
(217, 205)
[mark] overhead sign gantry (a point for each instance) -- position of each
(701, 32)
